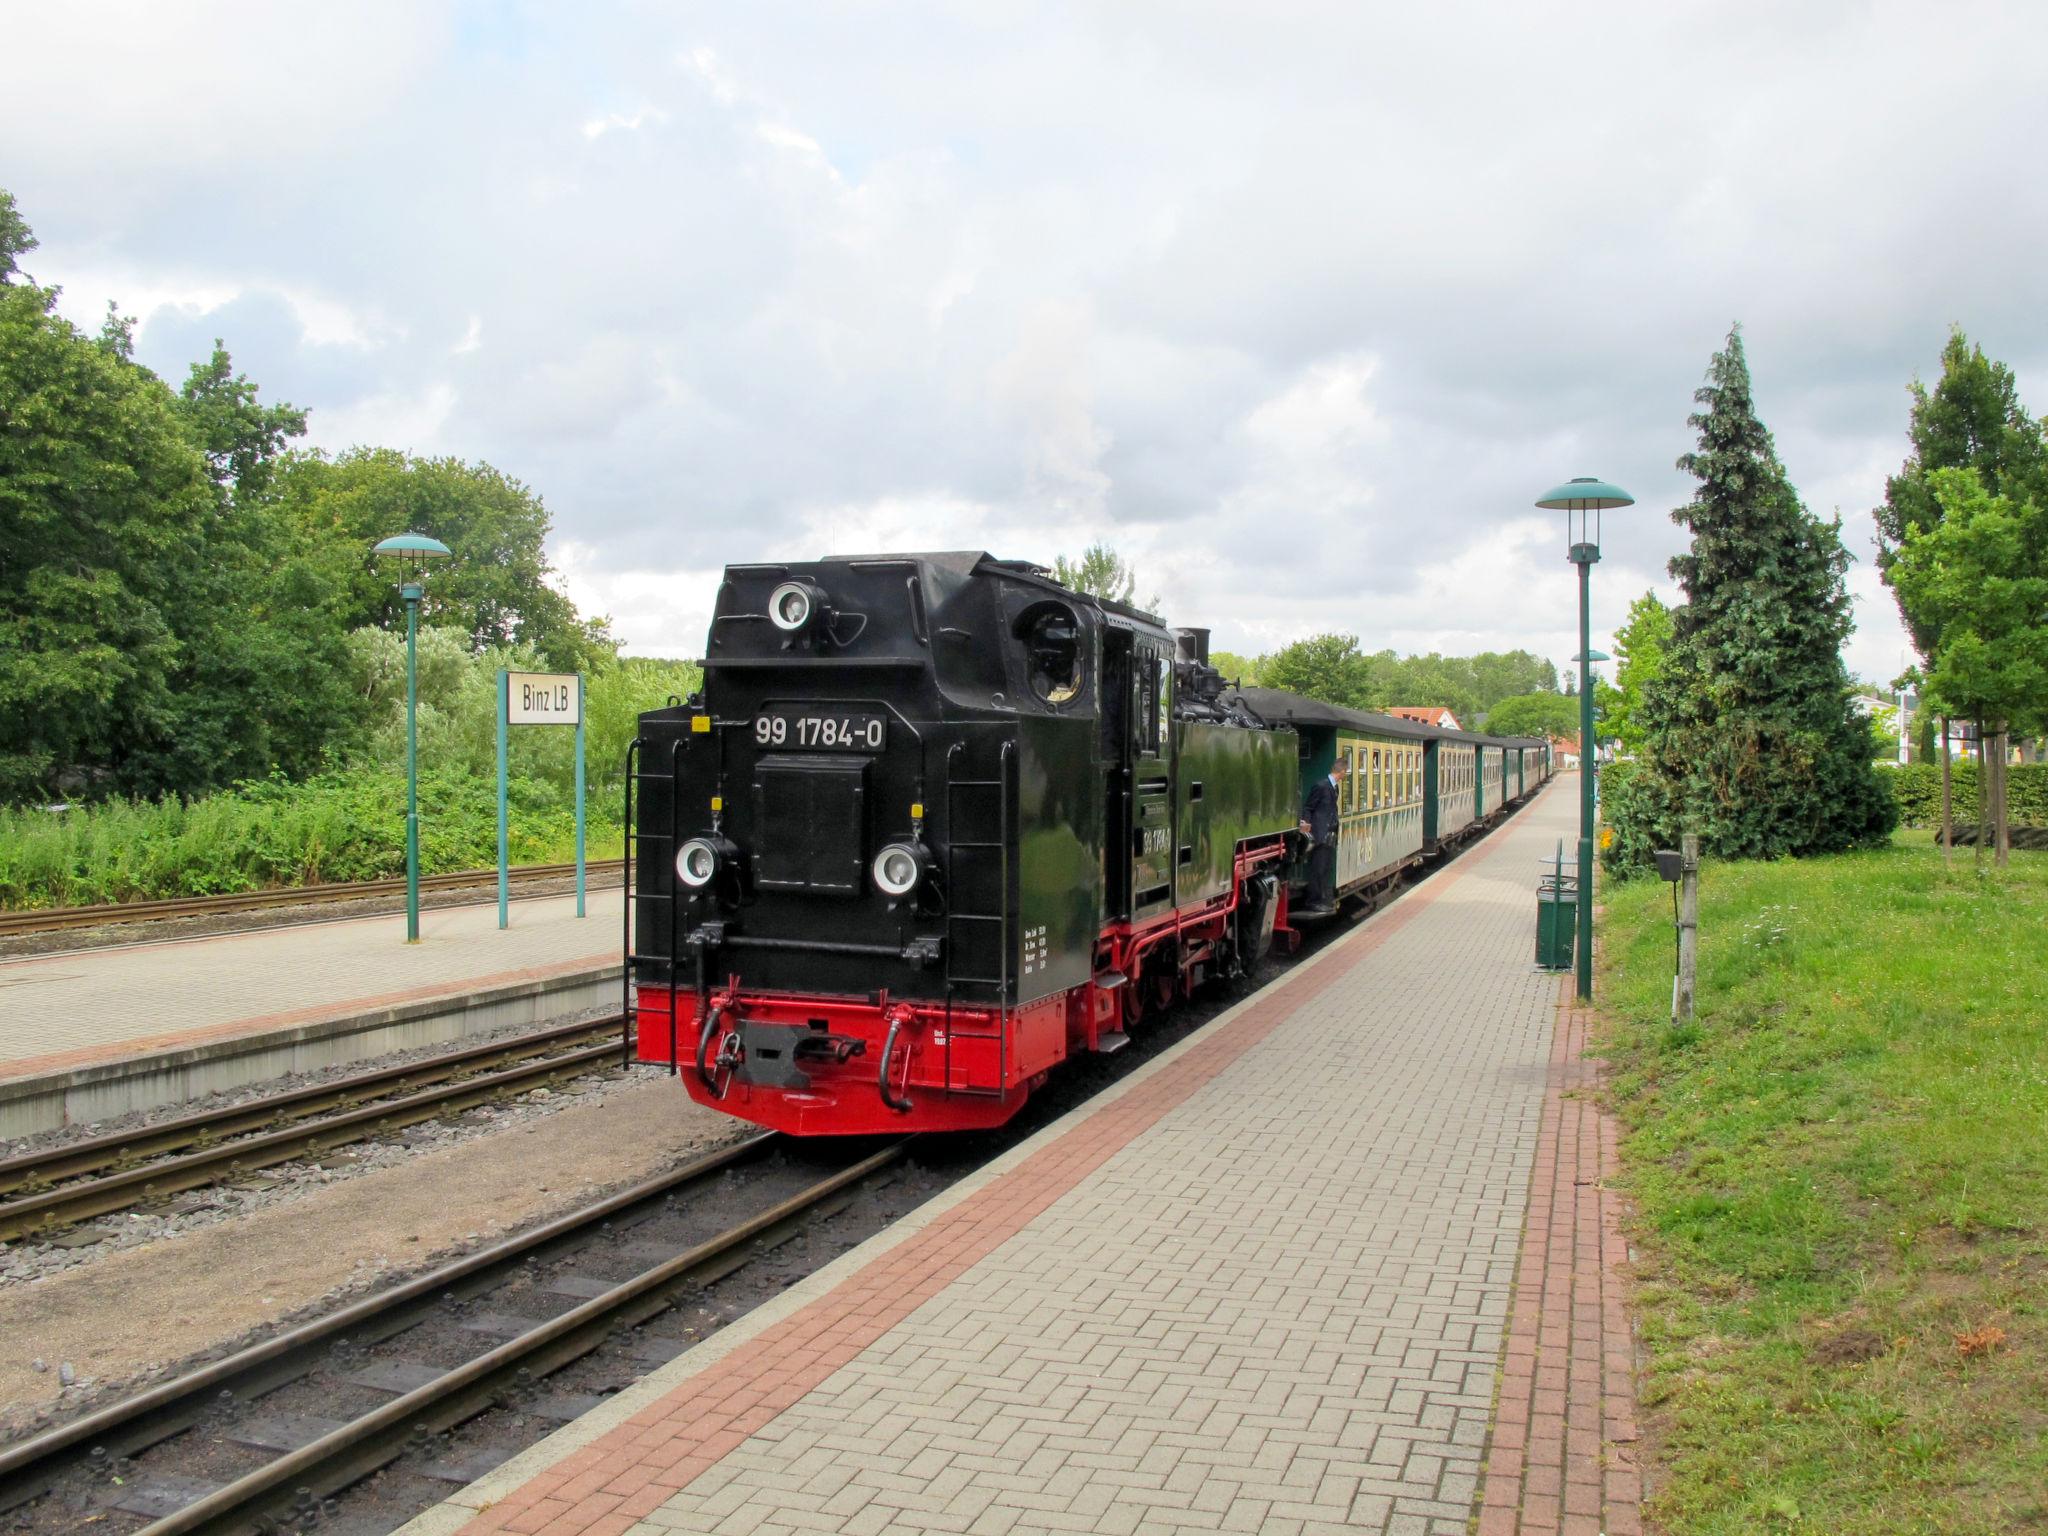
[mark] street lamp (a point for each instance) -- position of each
(1575, 498)
(413, 551)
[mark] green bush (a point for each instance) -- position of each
(339, 826)
(1917, 788)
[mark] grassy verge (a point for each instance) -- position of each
(347, 825)
(1842, 1182)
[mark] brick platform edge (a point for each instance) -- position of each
(1563, 1453)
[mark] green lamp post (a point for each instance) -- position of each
(1576, 498)
(413, 551)
(1585, 659)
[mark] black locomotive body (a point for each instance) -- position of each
(935, 824)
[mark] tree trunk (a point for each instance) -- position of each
(1983, 806)
(2001, 821)
(1948, 820)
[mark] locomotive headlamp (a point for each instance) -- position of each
(697, 862)
(898, 868)
(794, 604)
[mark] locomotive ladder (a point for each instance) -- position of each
(634, 961)
(956, 844)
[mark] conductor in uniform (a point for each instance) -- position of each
(1319, 826)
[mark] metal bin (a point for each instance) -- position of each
(1557, 914)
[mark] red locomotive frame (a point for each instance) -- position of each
(890, 1066)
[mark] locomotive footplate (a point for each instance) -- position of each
(771, 1052)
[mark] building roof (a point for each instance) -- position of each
(1428, 714)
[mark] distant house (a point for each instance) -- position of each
(1428, 714)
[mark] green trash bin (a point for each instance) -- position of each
(1557, 915)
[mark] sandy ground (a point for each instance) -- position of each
(139, 1308)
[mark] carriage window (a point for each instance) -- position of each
(1379, 789)
(1352, 788)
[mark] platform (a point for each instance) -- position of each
(1261, 1285)
(100, 1032)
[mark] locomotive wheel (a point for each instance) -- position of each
(1165, 988)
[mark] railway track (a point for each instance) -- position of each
(49, 919)
(47, 1189)
(253, 1437)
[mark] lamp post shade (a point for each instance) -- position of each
(1584, 494)
(1592, 656)
(411, 544)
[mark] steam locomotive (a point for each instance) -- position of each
(937, 823)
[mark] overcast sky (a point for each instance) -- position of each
(1298, 305)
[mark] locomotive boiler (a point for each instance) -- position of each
(935, 824)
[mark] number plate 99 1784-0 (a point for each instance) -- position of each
(820, 730)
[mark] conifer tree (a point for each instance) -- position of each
(1750, 736)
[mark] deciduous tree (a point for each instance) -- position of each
(1639, 646)
(1534, 714)
(1101, 572)
(498, 589)
(1977, 574)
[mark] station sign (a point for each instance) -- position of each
(544, 698)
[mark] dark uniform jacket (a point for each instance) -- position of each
(1320, 812)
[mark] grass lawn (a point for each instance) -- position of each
(1841, 1175)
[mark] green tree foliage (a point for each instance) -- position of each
(1971, 419)
(1534, 714)
(1444, 682)
(1639, 647)
(1326, 667)
(499, 589)
(240, 436)
(108, 551)
(1976, 574)
(1749, 734)
(1338, 669)
(1238, 669)
(16, 238)
(1102, 572)
(178, 591)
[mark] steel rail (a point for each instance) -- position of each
(27, 1215)
(136, 1422)
(44, 919)
(37, 1170)
(361, 1446)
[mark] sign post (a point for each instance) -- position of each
(536, 698)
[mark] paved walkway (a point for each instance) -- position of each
(70, 1010)
(1263, 1285)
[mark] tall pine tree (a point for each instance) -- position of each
(1750, 737)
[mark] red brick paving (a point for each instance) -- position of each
(1563, 1454)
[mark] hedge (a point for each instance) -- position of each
(1917, 788)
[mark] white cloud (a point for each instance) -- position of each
(1299, 309)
